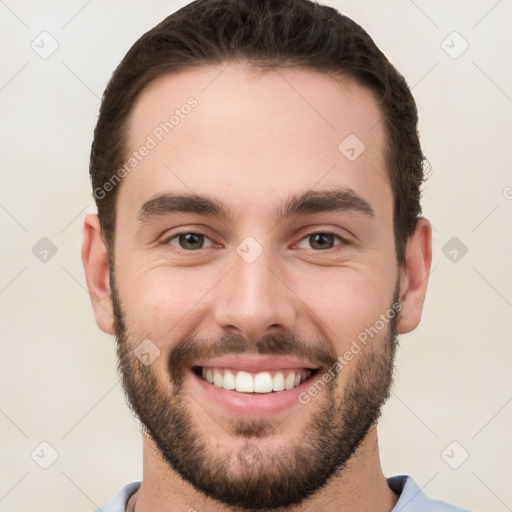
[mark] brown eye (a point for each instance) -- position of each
(321, 241)
(188, 241)
(191, 241)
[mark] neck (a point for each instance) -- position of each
(361, 486)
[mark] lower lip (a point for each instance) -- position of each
(251, 404)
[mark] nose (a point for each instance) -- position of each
(254, 299)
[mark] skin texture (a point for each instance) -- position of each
(253, 141)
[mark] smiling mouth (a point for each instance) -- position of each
(263, 382)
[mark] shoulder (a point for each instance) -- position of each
(412, 498)
(119, 501)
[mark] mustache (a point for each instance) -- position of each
(320, 354)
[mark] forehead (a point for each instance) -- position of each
(233, 130)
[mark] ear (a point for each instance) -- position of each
(97, 273)
(414, 276)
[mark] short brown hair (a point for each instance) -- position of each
(267, 34)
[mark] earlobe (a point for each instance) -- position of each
(414, 276)
(97, 273)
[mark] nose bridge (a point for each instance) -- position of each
(253, 298)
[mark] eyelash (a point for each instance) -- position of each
(167, 240)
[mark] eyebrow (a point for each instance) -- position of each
(337, 200)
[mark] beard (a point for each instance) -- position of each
(250, 477)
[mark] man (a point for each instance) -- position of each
(257, 250)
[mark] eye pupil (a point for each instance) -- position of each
(320, 239)
(191, 240)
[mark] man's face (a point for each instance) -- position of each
(272, 278)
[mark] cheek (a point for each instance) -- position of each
(160, 303)
(350, 303)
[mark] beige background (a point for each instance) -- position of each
(58, 378)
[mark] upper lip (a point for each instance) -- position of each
(254, 363)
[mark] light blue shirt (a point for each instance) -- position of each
(411, 498)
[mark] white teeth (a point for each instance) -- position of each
(229, 380)
(278, 382)
(289, 383)
(244, 382)
(217, 378)
(262, 382)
